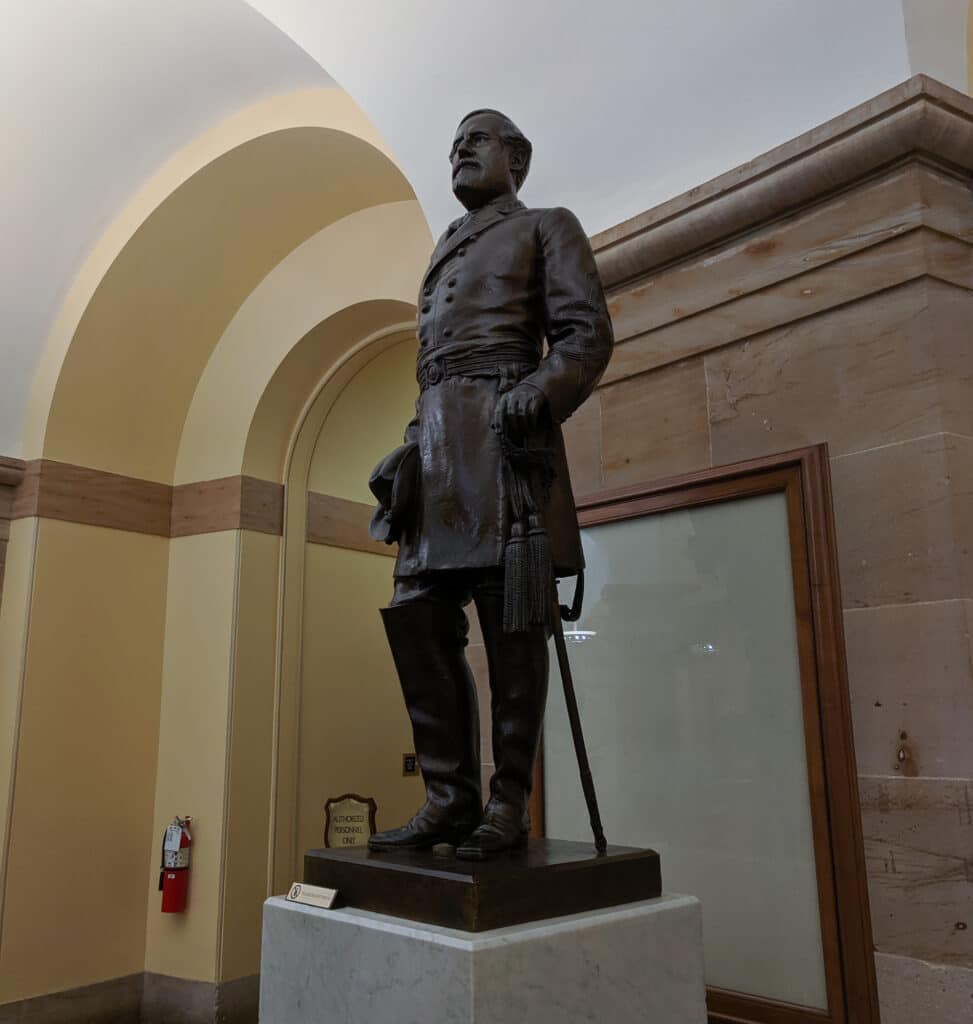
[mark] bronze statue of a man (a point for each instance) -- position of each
(479, 497)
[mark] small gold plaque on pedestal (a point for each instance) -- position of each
(312, 895)
(349, 820)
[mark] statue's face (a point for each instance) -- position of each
(480, 160)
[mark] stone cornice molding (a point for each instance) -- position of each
(919, 119)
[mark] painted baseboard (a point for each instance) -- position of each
(109, 1002)
(142, 999)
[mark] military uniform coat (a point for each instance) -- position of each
(501, 282)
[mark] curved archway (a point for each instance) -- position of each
(375, 254)
(175, 265)
(147, 334)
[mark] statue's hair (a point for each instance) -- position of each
(512, 136)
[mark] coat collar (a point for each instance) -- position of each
(472, 223)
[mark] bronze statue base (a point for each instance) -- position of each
(550, 878)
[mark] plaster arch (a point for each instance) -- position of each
(365, 268)
(96, 97)
(150, 304)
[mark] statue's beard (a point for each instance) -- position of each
(475, 193)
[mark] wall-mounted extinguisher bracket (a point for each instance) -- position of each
(174, 870)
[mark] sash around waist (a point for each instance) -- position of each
(511, 359)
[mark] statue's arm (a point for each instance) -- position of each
(576, 321)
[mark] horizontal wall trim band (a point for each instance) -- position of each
(230, 503)
(919, 119)
(342, 523)
(77, 494)
(93, 497)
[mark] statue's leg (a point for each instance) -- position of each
(518, 664)
(427, 631)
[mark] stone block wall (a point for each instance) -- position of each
(824, 293)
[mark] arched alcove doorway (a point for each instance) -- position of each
(341, 725)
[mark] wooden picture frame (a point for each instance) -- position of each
(847, 947)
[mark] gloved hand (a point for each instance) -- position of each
(520, 409)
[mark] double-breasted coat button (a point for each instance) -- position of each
(460, 252)
(448, 333)
(426, 308)
(449, 298)
(451, 282)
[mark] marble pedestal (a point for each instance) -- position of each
(636, 963)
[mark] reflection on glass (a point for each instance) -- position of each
(689, 685)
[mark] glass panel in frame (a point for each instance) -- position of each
(690, 693)
(709, 665)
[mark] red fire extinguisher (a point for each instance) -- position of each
(174, 872)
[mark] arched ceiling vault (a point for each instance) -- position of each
(94, 99)
(129, 369)
(109, 108)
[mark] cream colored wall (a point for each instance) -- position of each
(354, 728)
(193, 746)
(373, 256)
(935, 33)
(323, 356)
(365, 423)
(14, 620)
(969, 50)
(250, 760)
(221, 937)
(81, 824)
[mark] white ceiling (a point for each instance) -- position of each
(628, 102)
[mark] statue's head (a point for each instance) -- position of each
(490, 157)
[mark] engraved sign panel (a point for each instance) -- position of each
(349, 820)
(312, 895)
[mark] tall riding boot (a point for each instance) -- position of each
(518, 664)
(428, 640)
